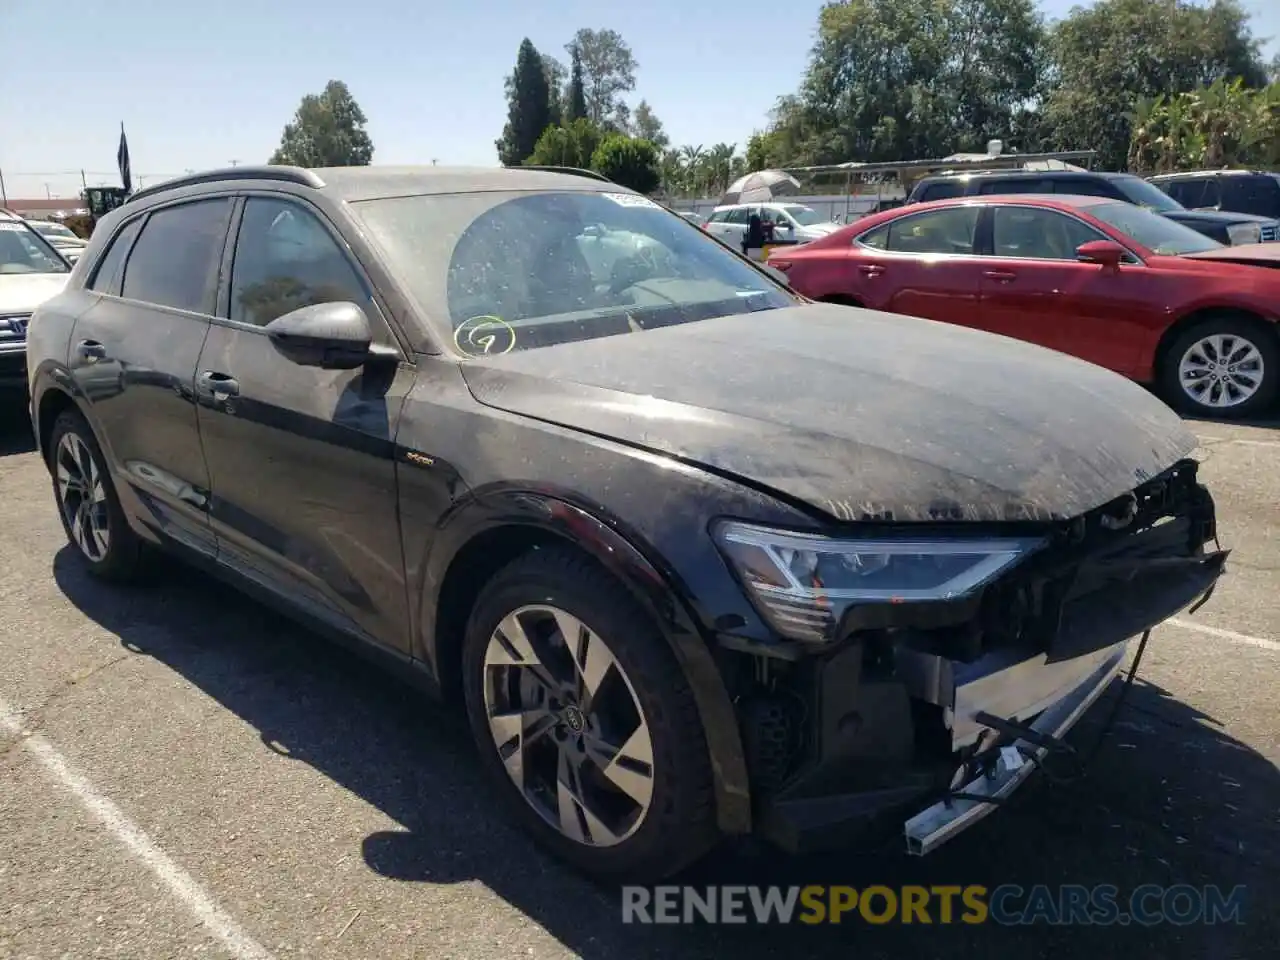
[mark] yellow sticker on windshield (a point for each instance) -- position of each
(484, 336)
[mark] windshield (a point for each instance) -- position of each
(1146, 195)
(25, 251)
(805, 216)
(514, 271)
(1156, 233)
(49, 229)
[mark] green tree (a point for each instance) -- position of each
(556, 74)
(528, 108)
(575, 100)
(328, 130)
(889, 79)
(1107, 58)
(646, 125)
(628, 161)
(571, 145)
(608, 71)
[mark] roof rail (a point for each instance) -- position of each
(298, 175)
(572, 171)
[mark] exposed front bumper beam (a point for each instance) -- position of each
(936, 825)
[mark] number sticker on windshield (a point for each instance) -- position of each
(630, 200)
(484, 336)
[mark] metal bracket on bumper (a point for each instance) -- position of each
(936, 825)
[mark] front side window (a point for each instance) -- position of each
(22, 250)
(947, 231)
(1016, 185)
(805, 216)
(285, 259)
(554, 267)
(1259, 195)
(1156, 233)
(174, 261)
(1032, 233)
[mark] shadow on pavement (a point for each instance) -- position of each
(1171, 799)
(15, 427)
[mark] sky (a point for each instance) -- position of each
(200, 85)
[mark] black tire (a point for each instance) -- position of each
(125, 555)
(679, 827)
(1263, 337)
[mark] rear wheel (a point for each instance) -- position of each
(585, 721)
(87, 502)
(1226, 366)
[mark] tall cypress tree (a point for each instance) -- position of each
(576, 100)
(529, 111)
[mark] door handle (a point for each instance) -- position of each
(219, 384)
(1003, 276)
(91, 351)
(870, 269)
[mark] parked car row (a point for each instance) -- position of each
(31, 271)
(696, 556)
(1104, 280)
(1225, 225)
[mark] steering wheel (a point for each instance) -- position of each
(631, 269)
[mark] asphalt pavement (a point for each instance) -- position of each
(184, 773)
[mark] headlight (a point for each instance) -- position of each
(1239, 233)
(802, 584)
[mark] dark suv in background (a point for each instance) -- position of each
(1233, 191)
(1228, 228)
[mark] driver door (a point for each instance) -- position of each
(300, 459)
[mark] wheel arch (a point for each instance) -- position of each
(52, 403)
(495, 530)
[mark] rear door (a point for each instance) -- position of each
(133, 356)
(920, 264)
(301, 459)
(1035, 288)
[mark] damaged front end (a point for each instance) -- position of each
(927, 673)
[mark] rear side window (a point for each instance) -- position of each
(1189, 193)
(106, 279)
(938, 231)
(1016, 185)
(941, 190)
(175, 259)
(738, 215)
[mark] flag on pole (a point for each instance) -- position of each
(122, 161)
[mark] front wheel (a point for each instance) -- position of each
(1223, 367)
(585, 720)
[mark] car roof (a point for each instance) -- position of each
(1185, 174)
(373, 182)
(1060, 200)
(1028, 174)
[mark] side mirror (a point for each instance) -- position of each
(332, 336)
(1106, 252)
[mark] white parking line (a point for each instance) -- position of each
(179, 882)
(1260, 642)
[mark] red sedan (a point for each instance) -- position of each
(1106, 281)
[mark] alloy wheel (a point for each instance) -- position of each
(568, 726)
(82, 497)
(1221, 370)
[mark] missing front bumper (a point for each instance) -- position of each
(931, 828)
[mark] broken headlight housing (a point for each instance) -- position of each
(803, 583)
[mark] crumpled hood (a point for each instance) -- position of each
(857, 413)
(23, 292)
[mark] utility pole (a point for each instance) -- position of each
(233, 162)
(48, 194)
(83, 182)
(4, 197)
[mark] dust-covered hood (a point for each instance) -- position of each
(857, 413)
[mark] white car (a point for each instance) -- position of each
(792, 222)
(31, 271)
(62, 237)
